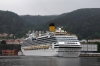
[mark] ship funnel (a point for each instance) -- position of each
(51, 27)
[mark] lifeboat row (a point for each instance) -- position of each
(37, 47)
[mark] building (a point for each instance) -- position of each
(13, 41)
(89, 48)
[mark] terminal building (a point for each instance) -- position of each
(89, 48)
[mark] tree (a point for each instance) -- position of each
(3, 42)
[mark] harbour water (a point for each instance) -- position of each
(48, 61)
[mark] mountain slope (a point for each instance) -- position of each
(85, 23)
(10, 23)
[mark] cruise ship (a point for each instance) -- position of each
(55, 42)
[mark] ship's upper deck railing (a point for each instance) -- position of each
(64, 34)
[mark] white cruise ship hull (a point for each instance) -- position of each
(50, 52)
(40, 52)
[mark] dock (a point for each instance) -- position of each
(90, 55)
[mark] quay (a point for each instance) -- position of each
(90, 55)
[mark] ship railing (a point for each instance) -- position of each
(64, 34)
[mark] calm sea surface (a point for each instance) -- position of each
(48, 61)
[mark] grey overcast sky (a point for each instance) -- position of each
(46, 7)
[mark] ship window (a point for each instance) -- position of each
(34, 39)
(66, 39)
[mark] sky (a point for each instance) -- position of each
(46, 7)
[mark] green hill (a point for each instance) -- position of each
(38, 19)
(11, 23)
(85, 23)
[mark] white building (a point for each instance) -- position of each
(89, 47)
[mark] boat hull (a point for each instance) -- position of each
(40, 52)
(49, 52)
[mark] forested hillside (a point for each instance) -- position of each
(11, 23)
(85, 23)
(37, 20)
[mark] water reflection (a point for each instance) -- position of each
(90, 61)
(68, 61)
(48, 61)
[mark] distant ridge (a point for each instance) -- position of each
(38, 19)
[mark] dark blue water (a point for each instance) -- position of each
(48, 61)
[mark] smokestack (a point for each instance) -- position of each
(51, 27)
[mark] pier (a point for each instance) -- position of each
(90, 55)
